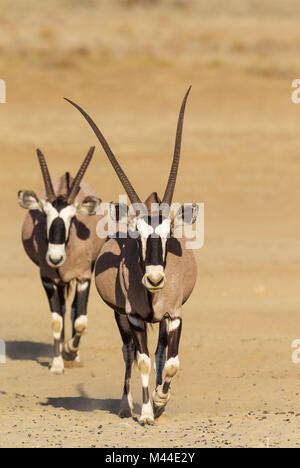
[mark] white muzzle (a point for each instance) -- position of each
(56, 255)
(154, 278)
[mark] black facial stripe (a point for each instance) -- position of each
(154, 251)
(155, 220)
(59, 204)
(57, 233)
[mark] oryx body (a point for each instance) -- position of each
(119, 280)
(147, 279)
(59, 236)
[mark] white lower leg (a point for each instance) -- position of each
(81, 324)
(144, 365)
(172, 367)
(57, 366)
(161, 395)
(126, 406)
(72, 346)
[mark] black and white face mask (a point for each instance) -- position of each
(153, 235)
(59, 216)
(152, 232)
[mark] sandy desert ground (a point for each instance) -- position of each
(130, 67)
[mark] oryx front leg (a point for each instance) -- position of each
(139, 330)
(161, 395)
(79, 321)
(161, 354)
(128, 349)
(55, 294)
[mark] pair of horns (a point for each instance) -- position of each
(76, 182)
(168, 196)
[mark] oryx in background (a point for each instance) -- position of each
(59, 236)
(147, 279)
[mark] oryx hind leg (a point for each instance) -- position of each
(139, 330)
(128, 349)
(56, 297)
(79, 321)
(161, 395)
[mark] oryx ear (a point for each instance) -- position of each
(29, 201)
(186, 215)
(118, 212)
(88, 206)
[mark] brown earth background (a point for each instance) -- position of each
(129, 64)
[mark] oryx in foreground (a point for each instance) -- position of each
(147, 279)
(59, 236)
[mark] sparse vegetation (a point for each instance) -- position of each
(129, 67)
(175, 31)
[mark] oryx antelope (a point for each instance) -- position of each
(147, 280)
(59, 236)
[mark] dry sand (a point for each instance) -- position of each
(237, 386)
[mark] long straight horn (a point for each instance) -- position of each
(76, 182)
(168, 196)
(46, 176)
(119, 171)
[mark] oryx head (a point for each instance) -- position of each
(153, 224)
(153, 228)
(59, 210)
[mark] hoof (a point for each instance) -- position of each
(146, 421)
(73, 365)
(70, 355)
(126, 407)
(160, 401)
(125, 413)
(71, 360)
(56, 371)
(57, 367)
(147, 416)
(158, 411)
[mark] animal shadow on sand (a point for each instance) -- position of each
(29, 351)
(83, 403)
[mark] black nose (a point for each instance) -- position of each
(56, 261)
